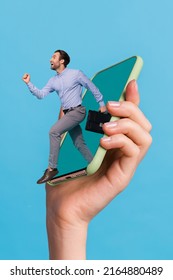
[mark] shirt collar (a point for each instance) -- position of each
(63, 72)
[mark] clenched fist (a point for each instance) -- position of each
(26, 78)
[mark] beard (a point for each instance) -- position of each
(52, 67)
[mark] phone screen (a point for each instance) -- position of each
(111, 83)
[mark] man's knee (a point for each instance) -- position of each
(54, 132)
(78, 143)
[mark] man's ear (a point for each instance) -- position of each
(62, 61)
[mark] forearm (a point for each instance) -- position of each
(95, 91)
(39, 93)
(34, 90)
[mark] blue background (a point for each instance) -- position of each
(96, 34)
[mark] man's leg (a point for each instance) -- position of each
(78, 141)
(66, 123)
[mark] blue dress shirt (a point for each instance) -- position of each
(68, 85)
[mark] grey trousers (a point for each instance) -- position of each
(69, 122)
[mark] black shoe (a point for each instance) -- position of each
(48, 174)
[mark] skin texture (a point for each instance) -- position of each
(72, 205)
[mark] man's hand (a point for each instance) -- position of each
(103, 109)
(26, 78)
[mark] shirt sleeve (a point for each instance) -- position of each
(41, 93)
(88, 84)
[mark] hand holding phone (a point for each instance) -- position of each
(73, 204)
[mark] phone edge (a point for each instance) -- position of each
(95, 164)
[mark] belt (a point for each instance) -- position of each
(70, 109)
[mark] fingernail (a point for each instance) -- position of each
(106, 139)
(111, 124)
(114, 103)
(135, 85)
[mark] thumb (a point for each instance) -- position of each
(132, 93)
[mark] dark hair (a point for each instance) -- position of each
(65, 56)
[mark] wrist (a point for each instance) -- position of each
(67, 241)
(101, 103)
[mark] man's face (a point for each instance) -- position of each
(55, 61)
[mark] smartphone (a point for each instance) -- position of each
(112, 82)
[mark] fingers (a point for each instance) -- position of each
(123, 130)
(26, 78)
(102, 109)
(127, 109)
(132, 93)
(129, 128)
(120, 141)
(132, 129)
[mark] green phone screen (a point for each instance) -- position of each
(111, 83)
